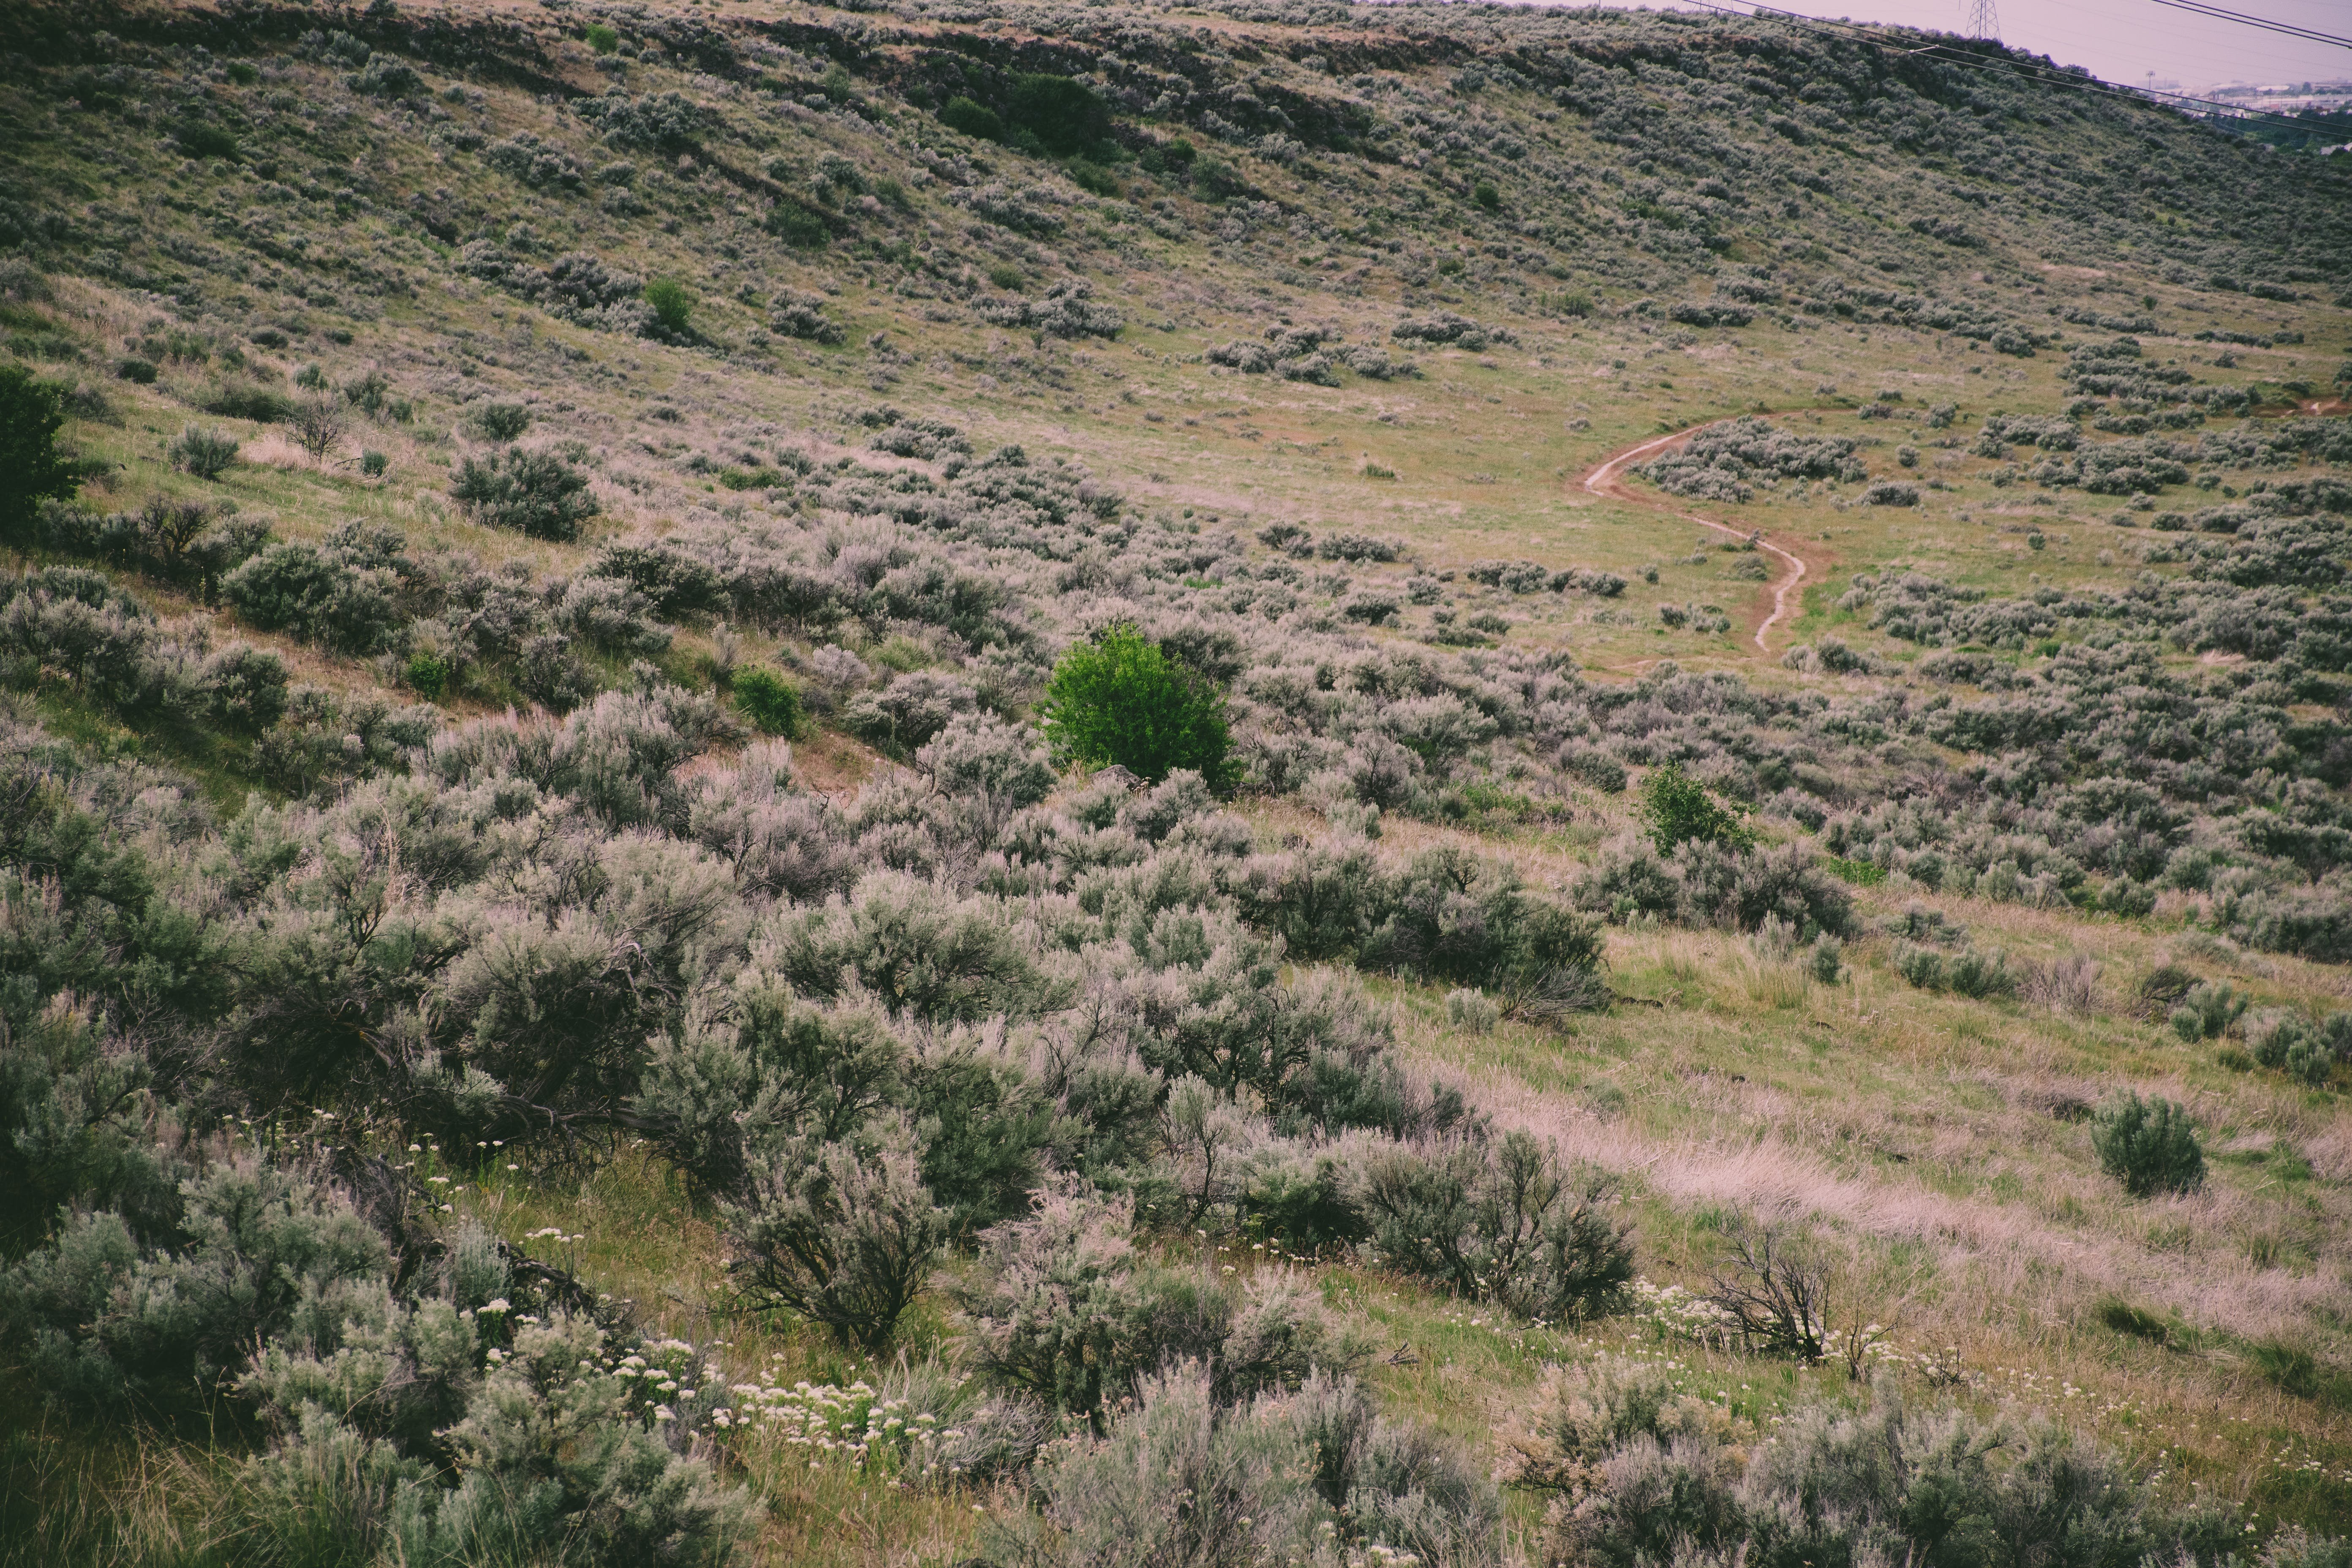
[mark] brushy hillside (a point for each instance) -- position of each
(1721, 926)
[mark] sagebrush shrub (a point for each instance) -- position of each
(902, 717)
(1183, 1477)
(1826, 958)
(1638, 1470)
(318, 422)
(1064, 1309)
(244, 687)
(979, 762)
(2299, 1049)
(551, 674)
(2209, 1010)
(1503, 1222)
(1967, 972)
(115, 1319)
(236, 399)
(843, 1236)
(320, 595)
(799, 315)
(1468, 1009)
(2148, 1145)
(206, 454)
(545, 1436)
(498, 421)
(536, 493)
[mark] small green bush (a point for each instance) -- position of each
(770, 702)
(428, 675)
(1486, 195)
(132, 368)
(2148, 1145)
(1213, 180)
(499, 421)
(32, 469)
(798, 225)
(245, 400)
(602, 38)
(1678, 808)
(673, 306)
(202, 140)
(1123, 699)
(1006, 276)
(972, 119)
(2208, 1011)
(1088, 175)
(373, 463)
(1966, 973)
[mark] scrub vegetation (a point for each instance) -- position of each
(1269, 784)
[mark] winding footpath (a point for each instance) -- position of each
(1606, 480)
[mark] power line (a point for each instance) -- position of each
(2198, 8)
(1984, 21)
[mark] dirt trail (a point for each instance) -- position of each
(1603, 480)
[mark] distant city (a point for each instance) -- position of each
(2273, 98)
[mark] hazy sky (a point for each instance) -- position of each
(2124, 40)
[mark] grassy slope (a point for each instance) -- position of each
(1931, 1134)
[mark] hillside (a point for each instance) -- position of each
(1780, 889)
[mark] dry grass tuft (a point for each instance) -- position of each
(2067, 985)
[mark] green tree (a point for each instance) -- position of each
(1124, 699)
(1677, 807)
(673, 306)
(32, 469)
(1066, 115)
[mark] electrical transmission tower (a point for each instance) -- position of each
(1984, 21)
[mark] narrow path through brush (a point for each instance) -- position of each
(1604, 480)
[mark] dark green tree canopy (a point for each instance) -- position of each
(1064, 114)
(32, 469)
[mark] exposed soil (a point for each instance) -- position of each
(1606, 479)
